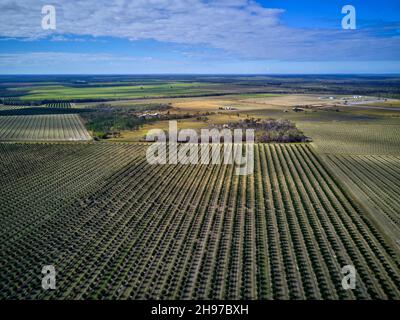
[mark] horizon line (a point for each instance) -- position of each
(200, 74)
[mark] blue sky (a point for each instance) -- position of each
(198, 36)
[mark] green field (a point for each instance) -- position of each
(62, 92)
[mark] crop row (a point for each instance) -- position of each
(345, 138)
(61, 127)
(63, 105)
(378, 179)
(115, 226)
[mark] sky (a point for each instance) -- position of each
(199, 37)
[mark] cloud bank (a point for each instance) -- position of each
(239, 28)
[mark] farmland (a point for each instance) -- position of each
(365, 157)
(375, 180)
(62, 127)
(113, 92)
(199, 232)
(52, 88)
(357, 138)
(59, 105)
(116, 227)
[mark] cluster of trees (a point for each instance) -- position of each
(271, 130)
(106, 121)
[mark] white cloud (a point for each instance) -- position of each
(239, 27)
